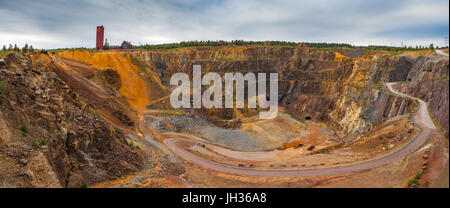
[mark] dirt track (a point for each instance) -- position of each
(421, 118)
(441, 53)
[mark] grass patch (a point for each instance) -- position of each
(24, 129)
(38, 143)
(118, 131)
(34, 142)
(94, 113)
(172, 112)
(132, 145)
(2, 91)
(415, 181)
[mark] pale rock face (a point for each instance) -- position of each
(41, 173)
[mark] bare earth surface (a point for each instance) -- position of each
(422, 119)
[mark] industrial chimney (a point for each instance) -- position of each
(99, 42)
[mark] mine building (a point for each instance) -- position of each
(126, 45)
(100, 36)
(222, 43)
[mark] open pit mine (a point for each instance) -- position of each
(346, 118)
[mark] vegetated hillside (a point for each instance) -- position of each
(49, 137)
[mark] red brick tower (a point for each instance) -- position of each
(99, 42)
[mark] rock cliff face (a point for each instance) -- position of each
(49, 138)
(342, 91)
(428, 80)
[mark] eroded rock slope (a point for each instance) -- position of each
(50, 137)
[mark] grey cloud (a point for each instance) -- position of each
(54, 24)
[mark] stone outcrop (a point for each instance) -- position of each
(428, 80)
(401, 70)
(60, 142)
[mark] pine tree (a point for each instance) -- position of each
(106, 46)
(16, 48)
(4, 48)
(10, 47)
(25, 48)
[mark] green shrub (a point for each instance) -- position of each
(94, 113)
(418, 176)
(132, 145)
(24, 129)
(34, 142)
(415, 180)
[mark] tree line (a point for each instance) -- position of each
(212, 43)
(15, 48)
(324, 45)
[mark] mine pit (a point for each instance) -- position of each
(355, 119)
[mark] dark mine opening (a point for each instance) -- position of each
(308, 118)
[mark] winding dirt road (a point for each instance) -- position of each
(421, 118)
(441, 53)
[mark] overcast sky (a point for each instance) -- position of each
(72, 23)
